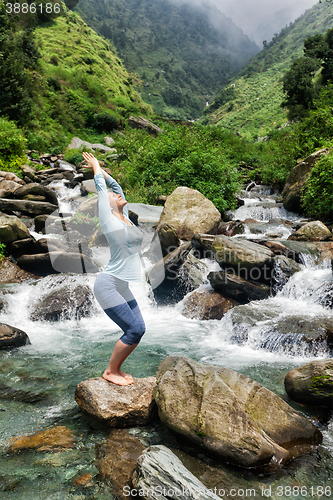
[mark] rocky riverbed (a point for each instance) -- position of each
(240, 323)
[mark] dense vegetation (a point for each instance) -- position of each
(58, 76)
(180, 56)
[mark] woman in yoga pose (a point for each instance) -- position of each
(111, 287)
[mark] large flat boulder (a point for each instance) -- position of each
(311, 384)
(27, 207)
(190, 212)
(111, 405)
(229, 415)
(296, 180)
(160, 472)
(250, 261)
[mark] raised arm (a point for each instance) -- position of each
(100, 183)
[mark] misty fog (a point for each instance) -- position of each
(260, 19)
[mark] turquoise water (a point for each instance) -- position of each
(63, 354)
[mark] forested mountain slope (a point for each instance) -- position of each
(250, 105)
(180, 56)
(61, 77)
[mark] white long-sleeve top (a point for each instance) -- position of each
(124, 240)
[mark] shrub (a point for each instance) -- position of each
(105, 122)
(317, 198)
(12, 141)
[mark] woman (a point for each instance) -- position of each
(111, 287)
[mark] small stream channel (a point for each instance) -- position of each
(250, 339)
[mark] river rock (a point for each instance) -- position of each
(168, 238)
(284, 268)
(312, 231)
(190, 212)
(280, 249)
(116, 459)
(311, 384)
(12, 273)
(229, 415)
(296, 181)
(160, 470)
(54, 439)
(65, 302)
(206, 304)
(26, 207)
(236, 288)
(175, 275)
(37, 190)
(111, 405)
(251, 261)
(203, 246)
(12, 337)
(231, 228)
(28, 171)
(12, 229)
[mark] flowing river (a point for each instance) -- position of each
(252, 341)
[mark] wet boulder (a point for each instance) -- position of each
(35, 189)
(190, 212)
(206, 304)
(27, 207)
(284, 268)
(160, 470)
(168, 238)
(12, 273)
(231, 228)
(110, 405)
(177, 274)
(250, 261)
(117, 458)
(312, 231)
(64, 303)
(12, 337)
(12, 229)
(311, 384)
(229, 415)
(238, 289)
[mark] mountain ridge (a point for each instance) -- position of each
(181, 58)
(257, 90)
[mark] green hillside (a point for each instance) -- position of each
(181, 58)
(250, 105)
(76, 80)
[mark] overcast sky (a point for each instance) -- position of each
(260, 19)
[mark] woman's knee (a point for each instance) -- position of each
(134, 334)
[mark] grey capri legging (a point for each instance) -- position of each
(118, 302)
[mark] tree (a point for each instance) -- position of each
(299, 87)
(18, 58)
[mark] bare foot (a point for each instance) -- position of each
(127, 376)
(116, 378)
